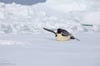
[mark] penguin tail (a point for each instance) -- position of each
(72, 37)
(77, 39)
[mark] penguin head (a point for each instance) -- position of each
(59, 30)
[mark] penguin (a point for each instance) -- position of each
(62, 34)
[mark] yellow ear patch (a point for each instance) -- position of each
(62, 38)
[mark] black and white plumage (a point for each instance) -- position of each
(61, 34)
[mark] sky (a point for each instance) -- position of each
(24, 2)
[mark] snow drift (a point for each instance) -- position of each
(16, 18)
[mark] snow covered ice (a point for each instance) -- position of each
(23, 42)
(43, 50)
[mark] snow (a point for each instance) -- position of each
(17, 18)
(92, 18)
(44, 50)
(65, 5)
(23, 42)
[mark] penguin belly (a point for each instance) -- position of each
(62, 38)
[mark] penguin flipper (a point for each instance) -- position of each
(50, 31)
(65, 32)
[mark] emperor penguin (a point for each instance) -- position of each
(61, 34)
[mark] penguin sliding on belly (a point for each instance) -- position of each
(62, 34)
